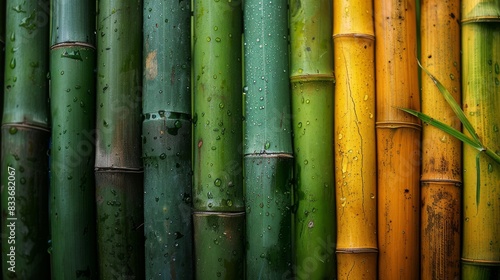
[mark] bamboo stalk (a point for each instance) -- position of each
(480, 99)
(355, 145)
(25, 137)
(217, 186)
(312, 79)
(167, 140)
(118, 165)
(398, 140)
(2, 48)
(441, 154)
(268, 141)
(72, 201)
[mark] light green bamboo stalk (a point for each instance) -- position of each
(481, 103)
(217, 189)
(25, 135)
(118, 165)
(312, 107)
(167, 140)
(72, 201)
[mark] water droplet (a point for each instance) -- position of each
(13, 130)
(299, 124)
(267, 145)
(178, 124)
(214, 148)
(467, 219)
(443, 139)
(12, 63)
(210, 195)
(12, 36)
(215, 76)
(210, 205)
(62, 72)
(452, 77)
(300, 70)
(163, 156)
(490, 168)
(495, 128)
(217, 39)
(343, 201)
(306, 162)
(366, 97)
(229, 202)
(221, 105)
(372, 195)
(310, 224)
(209, 39)
(308, 101)
(217, 182)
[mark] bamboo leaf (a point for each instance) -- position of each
(476, 144)
(453, 104)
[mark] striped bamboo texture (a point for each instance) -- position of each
(441, 179)
(398, 140)
(481, 103)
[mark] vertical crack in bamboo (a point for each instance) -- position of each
(354, 138)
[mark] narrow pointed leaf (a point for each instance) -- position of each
(446, 128)
(454, 105)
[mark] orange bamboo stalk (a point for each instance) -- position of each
(355, 144)
(398, 140)
(441, 154)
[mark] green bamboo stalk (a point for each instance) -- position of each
(72, 201)
(25, 134)
(268, 141)
(312, 108)
(217, 186)
(167, 140)
(481, 101)
(118, 164)
(2, 47)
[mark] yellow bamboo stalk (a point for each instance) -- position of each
(481, 104)
(441, 154)
(355, 144)
(398, 140)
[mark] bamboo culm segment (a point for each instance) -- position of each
(73, 23)
(72, 201)
(118, 164)
(25, 230)
(398, 140)
(480, 99)
(268, 216)
(311, 74)
(217, 107)
(267, 101)
(167, 56)
(25, 186)
(354, 137)
(167, 133)
(441, 179)
(219, 237)
(167, 197)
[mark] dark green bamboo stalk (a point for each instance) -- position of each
(481, 103)
(72, 201)
(312, 106)
(118, 166)
(25, 135)
(268, 141)
(167, 140)
(217, 188)
(2, 47)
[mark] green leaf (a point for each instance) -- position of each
(446, 128)
(453, 104)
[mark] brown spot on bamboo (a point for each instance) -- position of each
(151, 66)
